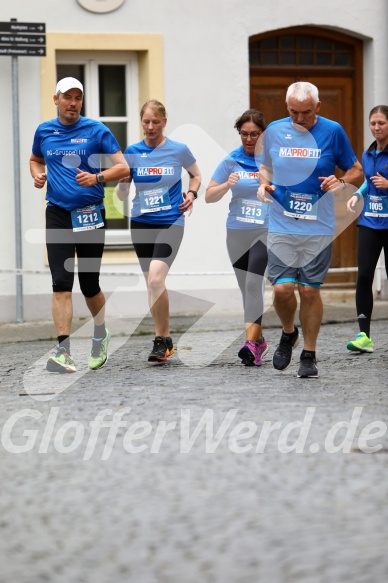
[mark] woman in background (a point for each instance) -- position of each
(372, 223)
(246, 228)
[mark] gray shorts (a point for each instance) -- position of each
(305, 259)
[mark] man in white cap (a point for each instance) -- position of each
(70, 147)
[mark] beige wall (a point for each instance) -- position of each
(148, 46)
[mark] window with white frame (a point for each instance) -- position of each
(110, 83)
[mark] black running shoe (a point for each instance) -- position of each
(308, 367)
(281, 359)
(170, 346)
(159, 351)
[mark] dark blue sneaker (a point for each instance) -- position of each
(281, 359)
(308, 367)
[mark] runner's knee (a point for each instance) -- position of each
(90, 287)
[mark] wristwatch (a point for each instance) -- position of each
(193, 192)
(100, 178)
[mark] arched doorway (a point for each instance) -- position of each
(333, 62)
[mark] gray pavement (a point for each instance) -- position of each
(199, 469)
(334, 311)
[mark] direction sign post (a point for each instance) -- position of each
(22, 27)
(23, 51)
(18, 39)
(18, 208)
(24, 39)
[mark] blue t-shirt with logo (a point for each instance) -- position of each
(156, 173)
(375, 211)
(245, 210)
(297, 158)
(65, 148)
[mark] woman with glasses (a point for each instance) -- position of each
(246, 228)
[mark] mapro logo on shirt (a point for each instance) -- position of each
(155, 171)
(248, 175)
(299, 152)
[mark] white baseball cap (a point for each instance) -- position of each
(68, 83)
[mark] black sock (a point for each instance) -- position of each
(290, 334)
(99, 331)
(64, 342)
(309, 352)
(364, 327)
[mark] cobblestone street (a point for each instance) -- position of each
(199, 469)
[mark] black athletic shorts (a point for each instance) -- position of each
(152, 241)
(63, 243)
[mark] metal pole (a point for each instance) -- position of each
(18, 214)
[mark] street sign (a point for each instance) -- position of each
(22, 27)
(23, 51)
(22, 39)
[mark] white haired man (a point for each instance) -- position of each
(300, 157)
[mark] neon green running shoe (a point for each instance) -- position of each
(361, 344)
(62, 362)
(99, 354)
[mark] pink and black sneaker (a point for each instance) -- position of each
(252, 353)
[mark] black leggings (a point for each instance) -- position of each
(62, 243)
(370, 244)
(247, 250)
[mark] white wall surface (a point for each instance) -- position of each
(206, 87)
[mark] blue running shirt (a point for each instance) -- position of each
(245, 211)
(65, 148)
(375, 211)
(297, 159)
(157, 174)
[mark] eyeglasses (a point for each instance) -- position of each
(253, 135)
